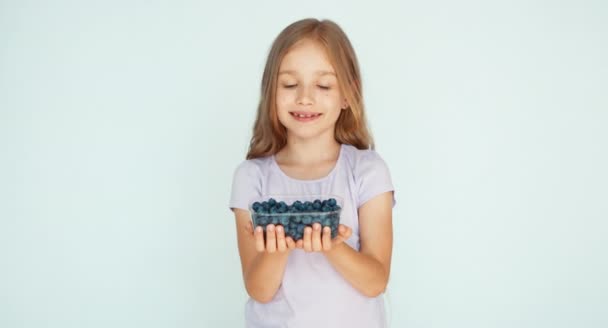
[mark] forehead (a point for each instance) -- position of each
(306, 58)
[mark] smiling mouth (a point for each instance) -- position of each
(305, 117)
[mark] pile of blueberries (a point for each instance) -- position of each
(298, 215)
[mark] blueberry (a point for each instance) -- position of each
(316, 205)
(307, 219)
(325, 209)
(297, 218)
(298, 205)
(262, 220)
(326, 222)
(284, 220)
(256, 206)
(272, 202)
(331, 202)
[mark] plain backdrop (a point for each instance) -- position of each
(121, 124)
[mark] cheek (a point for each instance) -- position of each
(282, 99)
(331, 100)
(282, 105)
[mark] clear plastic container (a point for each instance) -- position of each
(294, 222)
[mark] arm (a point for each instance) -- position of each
(262, 270)
(368, 270)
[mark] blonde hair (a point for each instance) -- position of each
(269, 135)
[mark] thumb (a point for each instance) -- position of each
(345, 232)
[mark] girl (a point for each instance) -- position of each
(310, 137)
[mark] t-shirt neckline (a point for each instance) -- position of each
(333, 170)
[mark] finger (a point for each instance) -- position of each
(281, 246)
(326, 238)
(271, 240)
(259, 239)
(344, 233)
(290, 243)
(347, 232)
(300, 243)
(316, 237)
(307, 239)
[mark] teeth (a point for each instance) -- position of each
(305, 115)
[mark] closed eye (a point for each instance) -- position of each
(290, 86)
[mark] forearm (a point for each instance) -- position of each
(265, 274)
(363, 272)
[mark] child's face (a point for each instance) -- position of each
(307, 86)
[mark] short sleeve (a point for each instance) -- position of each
(246, 185)
(374, 178)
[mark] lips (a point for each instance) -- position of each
(305, 116)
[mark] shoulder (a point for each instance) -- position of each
(252, 168)
(247, 182)
(363, 160)
(370, 173)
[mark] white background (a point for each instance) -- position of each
(121, 123)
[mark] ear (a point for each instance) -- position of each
(344, 104)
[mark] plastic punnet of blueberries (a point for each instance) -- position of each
(294, 217)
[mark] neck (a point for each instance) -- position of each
(309, 151)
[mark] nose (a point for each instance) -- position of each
(304, 96)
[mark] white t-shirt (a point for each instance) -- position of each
(313, 293)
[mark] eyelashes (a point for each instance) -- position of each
(291, 86)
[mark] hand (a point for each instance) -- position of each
(317, 240)
(275, 240)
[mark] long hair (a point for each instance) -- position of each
(269, 135)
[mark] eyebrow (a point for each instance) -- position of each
(292, 72)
